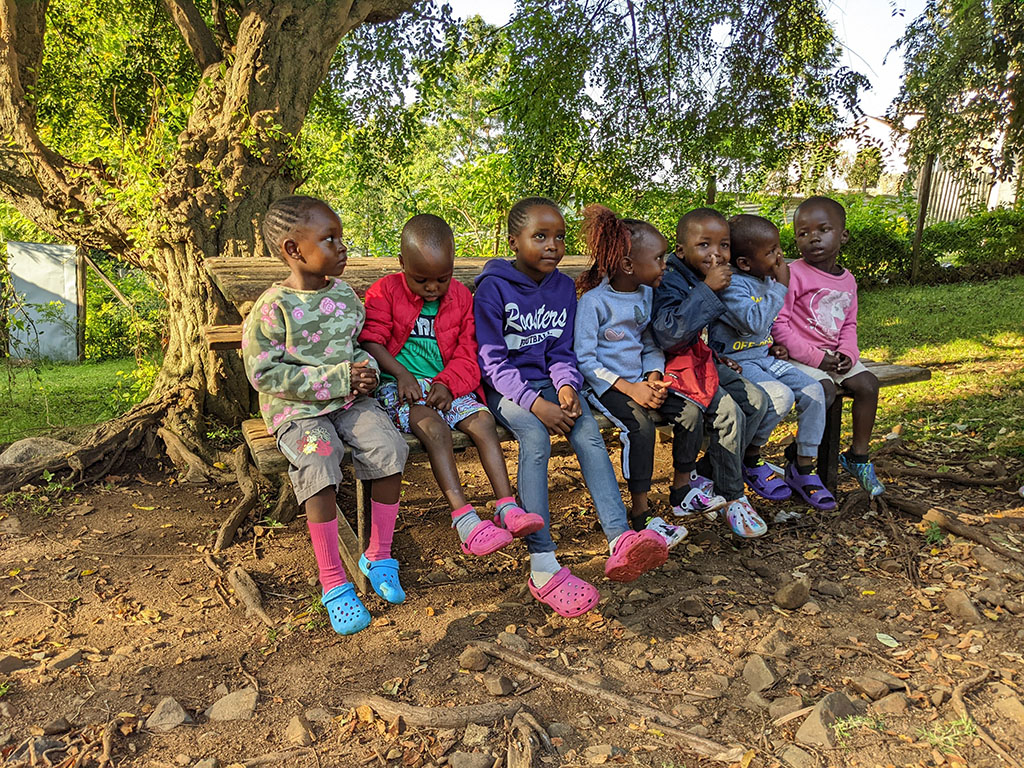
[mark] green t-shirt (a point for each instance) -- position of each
(420, 355)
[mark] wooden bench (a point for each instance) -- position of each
(242, 281)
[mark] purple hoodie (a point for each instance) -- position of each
(524, 331)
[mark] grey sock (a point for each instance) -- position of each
(543, 567)
(465, 523)
(503, 508)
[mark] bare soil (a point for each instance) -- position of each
(117, 572)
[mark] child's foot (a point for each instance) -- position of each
(383, 576)
(864, 471)
(486, 538)
(519, 522)
(687, 501)
(810, 487)
(347, 612)
(672, 534)
(744, 520)
(566, 594)
(634, 554)
(761, 479)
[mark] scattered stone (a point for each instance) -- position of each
(1011, 708)
(318, 715)
(599, 754)
(938, 697)
(545, 630)
(720, 682)
(513, 642)
(436, 577)
(66, 659)
(10, 664)
(893, 704)
(168, 715)
(32, 448)
(795, 757)
(759, 674)
(786, 705)
(37, 746)
(470, 760)
(182, 759)
(299, 731)
(802, 677)
(994, 563)
(660, 664)
(816, 729)
(475, 735)
(793, 594)
(959, 604)
(207, 762)
(473, 659)
(755, 701)
(776, 643)
(220, 690)
(758, 566)
(691, 606)
(873, 689)
(890, 566)
(830, 589)
(239, 705)
(561, 730)
(637, 596)
(499, 685)
(54, 727)
(810, 608)
(894, 683)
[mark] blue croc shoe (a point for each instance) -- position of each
(383, 576)
(864, 471)
(347, 612)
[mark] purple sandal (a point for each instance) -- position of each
(762, 480)
(810, 488)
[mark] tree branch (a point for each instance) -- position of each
(197, 35)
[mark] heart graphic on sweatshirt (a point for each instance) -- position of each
(613, 335)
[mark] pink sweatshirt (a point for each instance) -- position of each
(820, 312)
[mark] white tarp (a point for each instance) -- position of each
(43, 273)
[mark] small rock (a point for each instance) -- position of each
(755, 701)
(1011, 708)
(394, 753)
(660, 664)
(66, 659)
(473, 659)
(816, 729)
(894, 683)
(890, 566)
(938, 697)
(599, 754)
(802, 677)
(776, 643)
(299, 731)
(545, 630)
(168, 715)
(32, 448)
(759, 674)
(793, 594)
(691, 606)
(239, 705)
(60, 725)
(498, 685)
(38, 745)
(893, 704)
(207, 762)
(513, 642)
(475, 735)
(810, 608)
(786, 705)
(436, 577)
(470, 760)
(318, 715)
(220, 690)
(637, 596)
(960, 606)
(182, 759)
(561, 730)
(873, 689)
(795, 757)
(10, 664)
(831, 589)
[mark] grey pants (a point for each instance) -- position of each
(785, 384)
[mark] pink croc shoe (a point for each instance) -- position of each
(566, 594)
(485, 539)
(635, 553)
(520, 523)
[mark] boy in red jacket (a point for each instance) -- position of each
(420, 330)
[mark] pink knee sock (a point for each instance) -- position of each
(382, 530)
(325, 546)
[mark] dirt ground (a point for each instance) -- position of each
(108, 606)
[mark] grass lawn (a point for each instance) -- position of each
(971, 336)
(57, 398)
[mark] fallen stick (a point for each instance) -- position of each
(432, 717)
(229, 527)
(961, 708)
(247, 591)
(950, 522)
(667, 723)
(953, 477)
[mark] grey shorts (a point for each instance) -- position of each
(819, 375)
(315, 447)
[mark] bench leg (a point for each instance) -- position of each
(828, 451)
(357, 541)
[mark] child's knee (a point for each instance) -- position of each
(429, 426)
(478, 424)
(829, 392)
(863, 385)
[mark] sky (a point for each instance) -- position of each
(866, 28)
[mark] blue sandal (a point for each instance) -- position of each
(383, 576)
(347, 612)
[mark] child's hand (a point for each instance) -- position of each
(730, 363)
(649, 394)
(718, 277)
(779, 351)
(830, 362)
(439, 397)
(780, 271)
(552, 416)
(845, 363)
(409, 390)
(362, 377)
(569, 399)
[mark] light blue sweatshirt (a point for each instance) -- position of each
(744, 331)
(612, 339)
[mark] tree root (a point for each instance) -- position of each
(853, 501)
(195, 469)
(286, 509)
(527, 734)
(244, 472)
(247, 591)
(952, 477)
(951, 523)
(957, 699)
(432, 717)
(670, 725)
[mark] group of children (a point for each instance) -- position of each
(425, 356)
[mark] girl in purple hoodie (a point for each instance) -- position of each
(524, 311)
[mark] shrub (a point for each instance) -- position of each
(987, 241)
(114, 331)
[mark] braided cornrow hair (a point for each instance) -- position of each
(284, 216)
(520, 212)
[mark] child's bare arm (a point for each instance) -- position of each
(409, 390)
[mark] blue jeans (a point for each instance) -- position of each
(785, 384)
(534, 452)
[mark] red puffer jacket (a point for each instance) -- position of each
(692, 373)
(391, 312)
